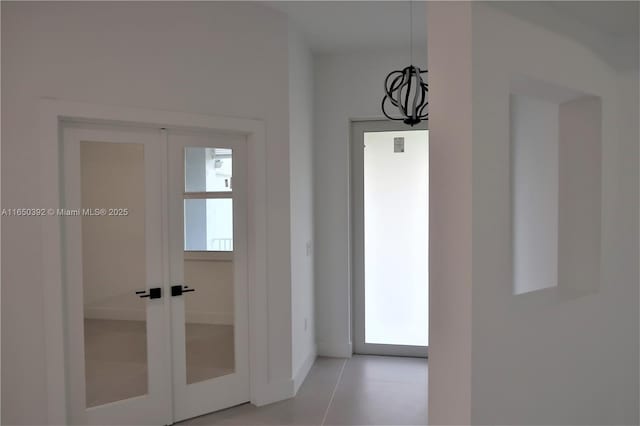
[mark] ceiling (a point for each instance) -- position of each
(343, 26)
(615, 18)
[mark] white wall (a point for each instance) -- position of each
(302, 215)
(548, 357)
(534, 131)
(450, 189)
(347, 86)
(227, 59)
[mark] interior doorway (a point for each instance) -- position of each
(155, 243)
(390, 223)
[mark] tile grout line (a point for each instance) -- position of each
(333, 394)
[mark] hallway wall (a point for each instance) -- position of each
(567, 355)
(559, 355)
(302, 214)
(450, 254)
(226, 59)
(347, 86)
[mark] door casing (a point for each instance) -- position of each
(53, 115)
(167, 400)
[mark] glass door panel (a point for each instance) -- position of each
(115, 325)
(208, 169)
(208, 224)
(390, 206)
(396, 232)
(208, 262)
(209, 341)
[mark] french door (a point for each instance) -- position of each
(155, 273)
(207, 247)
(390, 224)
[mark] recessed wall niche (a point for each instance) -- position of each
(556, 155)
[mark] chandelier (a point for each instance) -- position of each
(405, 90)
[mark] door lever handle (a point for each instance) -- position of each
(178, 289)
(154, 293)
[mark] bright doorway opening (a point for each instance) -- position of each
(390, 214)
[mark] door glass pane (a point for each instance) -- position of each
(396, 227)
(113, 269)
(208, 265)
(208, 224)
(209, 318)
(207, 169)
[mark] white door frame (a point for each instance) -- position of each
(53, 114)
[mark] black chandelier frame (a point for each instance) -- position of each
(407, 91)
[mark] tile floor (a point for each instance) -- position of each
(364, 390)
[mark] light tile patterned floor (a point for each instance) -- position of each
(364, 390)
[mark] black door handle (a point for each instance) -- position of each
(154, 293)
(178, 289)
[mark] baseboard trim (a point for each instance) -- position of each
(273, 392)
(304, 369)
(333, 350)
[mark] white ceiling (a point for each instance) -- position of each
(609, 28)
(342, 26)
(615, 18)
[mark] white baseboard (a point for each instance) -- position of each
(218, 318)
(335, 349)
(303, 371)
(273, 392)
